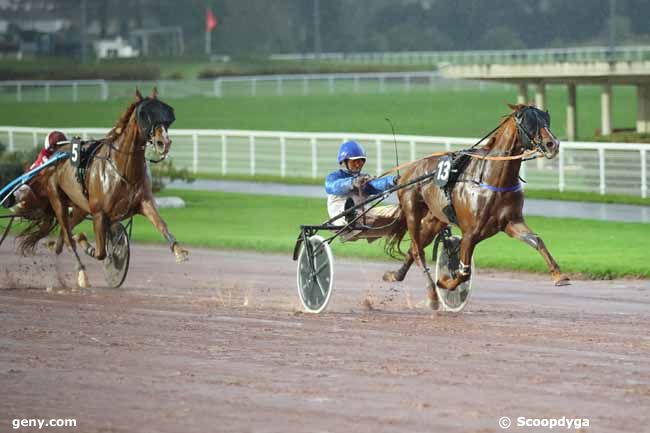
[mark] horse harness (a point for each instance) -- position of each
(453, 164)
(81, 153)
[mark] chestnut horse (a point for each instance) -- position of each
(487, 199)
(117, 184)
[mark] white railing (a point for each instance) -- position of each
(620, 168)
(339, 83)
(53, 90)
(256, 85)
(541, 55)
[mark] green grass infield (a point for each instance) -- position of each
(593, 249)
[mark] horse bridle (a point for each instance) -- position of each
(532, 140)
(150, 130)
(149, 143)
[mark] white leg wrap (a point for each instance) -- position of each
(464, 269)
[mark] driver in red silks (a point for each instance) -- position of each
(49, 147)
(24, 195)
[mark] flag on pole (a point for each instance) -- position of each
(210, 20)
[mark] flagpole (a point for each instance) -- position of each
(208, 42)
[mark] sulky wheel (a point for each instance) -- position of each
(5, 226)
(315, 274)
(447, 262)
(116, 263)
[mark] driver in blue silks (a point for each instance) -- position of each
(349, 186)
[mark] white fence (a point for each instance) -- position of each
(603, 168)
(256, 85)
(542, 55)
(53, 90)
(341, 83)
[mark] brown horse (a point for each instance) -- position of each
(487, 199)
(117, 184)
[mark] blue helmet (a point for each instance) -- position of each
(351, 150)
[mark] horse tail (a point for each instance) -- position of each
(395, 237)
(37, 228)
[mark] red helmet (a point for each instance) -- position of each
(53, 138)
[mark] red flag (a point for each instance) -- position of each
(210, 20)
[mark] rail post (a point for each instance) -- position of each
(47, 92)
(412, 150)
(195, 152)
(35, 139)
(644, 174)
(278, 86)
(75, 91)
(314, 158)
(560, 168)
(305, 86)
(104, 87)
(216, 88)
(330, 81)
(251, 140)
(283, 157)
(19, 91)
(601, 169)
(379, 164)
(224, 155)
(254, 87)
(11, 140)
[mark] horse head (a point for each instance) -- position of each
(534, 130)
(154, 118)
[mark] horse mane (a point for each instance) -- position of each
(122, 122)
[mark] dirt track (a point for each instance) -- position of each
(219, 344)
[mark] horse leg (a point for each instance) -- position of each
(467, 245)
(99, 250)
(431, 226)
(148, 209)
(76, 217)
(521, 231)
(414, 213)
(60, 208)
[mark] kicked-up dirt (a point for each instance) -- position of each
(220, 344)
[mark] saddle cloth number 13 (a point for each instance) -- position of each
(443, 170)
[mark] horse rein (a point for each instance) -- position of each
(528, 154)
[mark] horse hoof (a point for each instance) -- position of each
(51, 245)
(390, 276)
(434, 304)
(82, 280)
(181, 255)
(563, 282)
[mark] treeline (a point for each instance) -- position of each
(253, 27)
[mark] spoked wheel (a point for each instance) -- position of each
(447, 264)
(116, 263)
(315, 274)
(5, 225)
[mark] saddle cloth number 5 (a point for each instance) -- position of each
(443, 170)
(75, 153)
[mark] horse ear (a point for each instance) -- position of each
(513, 107)
(154, 92)
(138, 95)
